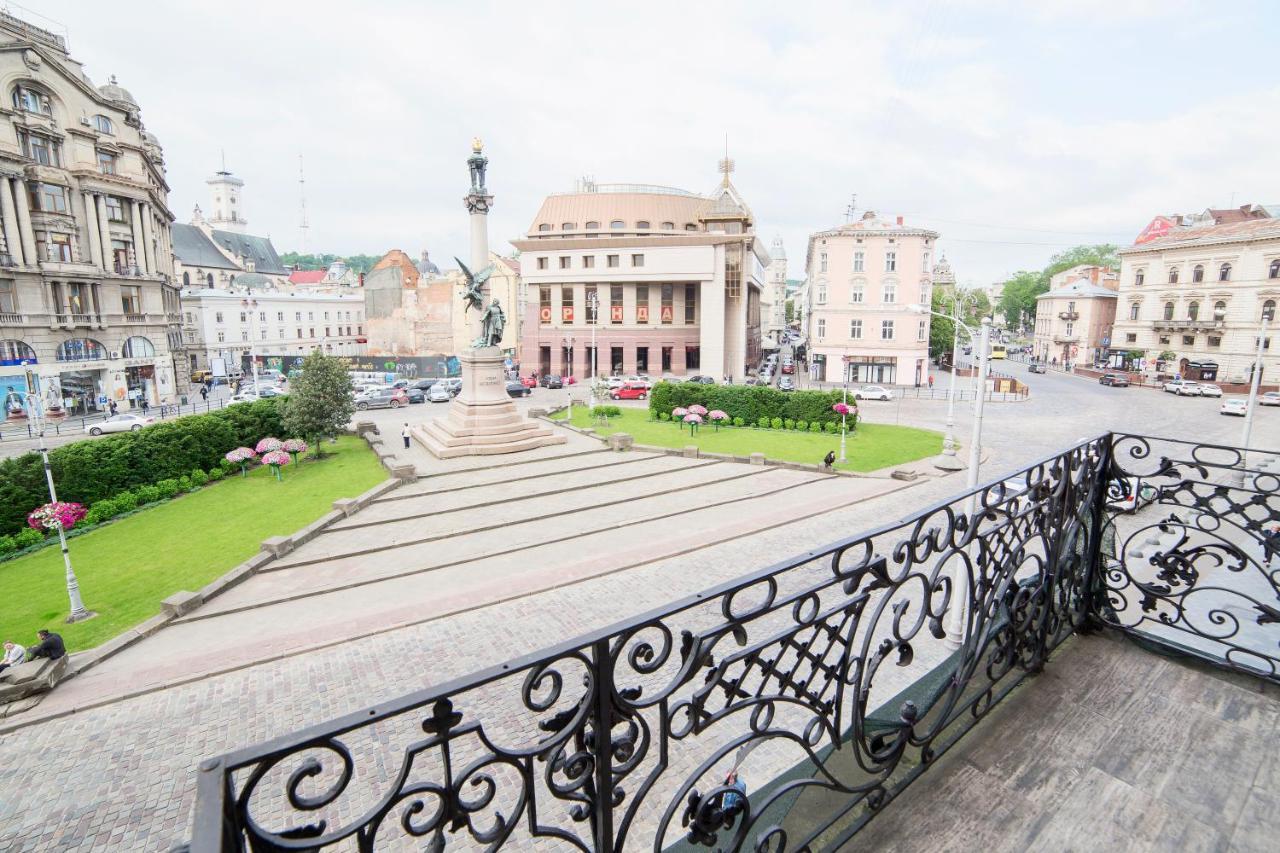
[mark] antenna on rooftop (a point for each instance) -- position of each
(852, 208)
(303, 226)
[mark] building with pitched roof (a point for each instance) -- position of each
(214, 252)
(864, 276)
(1074, 318)
(1198, 287)
(88, 307)
(676, 279)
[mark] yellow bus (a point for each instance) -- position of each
(998, 351)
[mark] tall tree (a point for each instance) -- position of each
(974, 305)
(320, 401)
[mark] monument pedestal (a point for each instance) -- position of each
(482, 420)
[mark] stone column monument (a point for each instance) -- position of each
(482, 419)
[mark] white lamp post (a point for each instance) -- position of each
(251, 305)
(593, 316)
(948, 461)
(1254, 381)
(35, 409)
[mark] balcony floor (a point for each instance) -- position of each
(1111, 748)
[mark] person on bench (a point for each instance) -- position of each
(50, 646)
(14, 654)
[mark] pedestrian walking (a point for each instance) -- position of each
(404, 433)
(145, 405)
(111, 405)
(204, 393)
(930, 381)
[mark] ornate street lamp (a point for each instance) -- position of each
(251, 305)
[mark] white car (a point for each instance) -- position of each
(639, 379)
(124, 422)
(613, 382)
(1271, 398)
(872, 392)
(1234, 406)
(1174, 385)
(1187, 389)
(1208, 389)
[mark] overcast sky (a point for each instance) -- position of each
(1013, 128)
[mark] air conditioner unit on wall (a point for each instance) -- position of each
(115, 354)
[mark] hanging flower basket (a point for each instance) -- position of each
(269, 444)
(294, 446)
(277, 459)
(243, 456)
(51, 516)
(716, 416)
(842, 409)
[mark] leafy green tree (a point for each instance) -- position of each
(359, 263)
(791, 310)
(1018, 302)
(974, 305)
(320, 402)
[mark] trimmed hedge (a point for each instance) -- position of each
(752, 403)
(88, 472)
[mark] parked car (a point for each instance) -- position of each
(872, 392)
(788, 367)
(1234, 406)
(516, 388)
(1172, 386)
(1115, 380)
(630, 391)
(415, 395)
(393, 398)
(243, 397)
(454, 384)
(1036, 367)
(439, 393)
(1188, 389)
(1208, 389)
(529, 381)
(1271, 398)
(700, 379)
(639, 379)
(551, 380)
(786, 383)
(123, 422)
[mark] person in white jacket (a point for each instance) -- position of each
(404, 433)
(14, 654)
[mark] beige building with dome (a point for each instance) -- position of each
(676, 278)
(89, 308)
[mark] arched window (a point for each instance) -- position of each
(186, 279)
(1197, 274)
(81, 349)
(567, 226)
(31, 100)
(1168, 310)
(1219, 310)
(103, 125)
(1133, 311)
(1193, 310)
(592, 224)
(617, 223)
(1224, 272)
(671, 226)
(209, 279)
(691, 226)
(137, 347)
(643, 223)
(1173, 276)
(544, 226)
(14, 352)
(1269, 310)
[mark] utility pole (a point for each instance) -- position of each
(303, 226)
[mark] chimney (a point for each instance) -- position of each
(899, 220)
(1093, 274)
(362, 279)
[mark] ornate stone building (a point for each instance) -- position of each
(88, 304)
(774, 304)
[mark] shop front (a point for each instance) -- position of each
(140, 384)
(84, 391)
(871, 370)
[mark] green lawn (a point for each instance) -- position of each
(869, 448)
(127, 567)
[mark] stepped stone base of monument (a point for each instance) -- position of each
(482, 419)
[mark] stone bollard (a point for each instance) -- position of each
(691, 451)
(278, 546)
(537, 413)
(757, 458)
(363, 427)
(181, 603)
(404, 472)
(621, 441)
(346, 506)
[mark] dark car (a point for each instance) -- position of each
(516, 388)
(1115, 380)
(551, 380)
(415, 395)
(1036, 367)
(422, 385)
(701, 380)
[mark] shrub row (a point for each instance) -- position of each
(88, 472)
(749, 402)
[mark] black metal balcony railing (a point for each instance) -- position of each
(1069, 315)
(829, 681)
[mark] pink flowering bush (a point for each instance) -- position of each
(243, 456)
(716, 416)
(52, 515)
(679, 412)
(294, 446)
(842, 409)
(700, 411)
(277, 459)
(269, 444)
(693, 420)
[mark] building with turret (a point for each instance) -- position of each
(774, 305)
(89, 308)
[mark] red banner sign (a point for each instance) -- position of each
(1158, 227)
(566, 313)
(666, 314)
(615, 313)
(642, 313)
(545, 314)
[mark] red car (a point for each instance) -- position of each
(788, 368)
(529, 381)
(630, 391)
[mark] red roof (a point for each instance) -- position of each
(306, 276)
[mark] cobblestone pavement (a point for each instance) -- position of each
(121, 776)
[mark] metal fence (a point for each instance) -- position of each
(22, 430)
(827, 683)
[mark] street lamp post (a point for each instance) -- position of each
(949, 461)
(844, 398)
(1254, 381)
(593, 316)
(251, 305)
(35, 409)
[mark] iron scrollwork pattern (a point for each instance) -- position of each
(1191, 560)
(825, 683)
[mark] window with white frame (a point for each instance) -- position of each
(822, 328)
(924, 330)
(855, 330)
(822, 293)
(859, 259)
(856, 292)
(890, 292)
(890, 261)
(886, 330)
(822, 262)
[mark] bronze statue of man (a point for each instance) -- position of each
(492, 322)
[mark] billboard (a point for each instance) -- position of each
(1158, 227)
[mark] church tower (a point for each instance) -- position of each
(227, 211)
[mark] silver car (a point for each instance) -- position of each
(439, 393)
(124, 422)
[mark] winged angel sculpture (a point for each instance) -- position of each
(492, 319)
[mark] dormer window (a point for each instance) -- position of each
(617, 223)
(567, 226)
(592, 225)
(544, 226)
(31, 100)
(103, 125)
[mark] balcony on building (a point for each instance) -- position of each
(1068, 315)
(1186, 325)
(1108, 682)
(1066, 339)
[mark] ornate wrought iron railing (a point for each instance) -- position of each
(825, 683)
